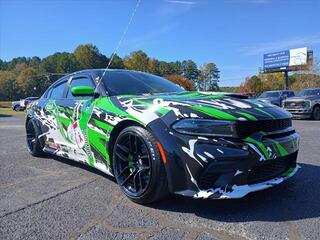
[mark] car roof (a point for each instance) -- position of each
(97, 71)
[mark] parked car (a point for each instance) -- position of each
(276, 97)
(155, 138)
(250, 95)
(21, 105)
(305, 105)
(16, 105)
(26, 101)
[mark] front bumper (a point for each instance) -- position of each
(242, 190)
(300, 113)
(219, 168)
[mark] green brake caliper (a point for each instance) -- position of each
(131, 163)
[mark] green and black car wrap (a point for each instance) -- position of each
(212, 145)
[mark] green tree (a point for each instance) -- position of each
(137, 60)
(176, 67)
(117, 62)
(252, 84)
(8, 86)
(3, 65)
(209, 76)
(89, 57)
(66, 63)
(164, 68)
(35, 62)
(19, 60)
(27, 82)
(190, 70)
(49, 64)
(153, 66)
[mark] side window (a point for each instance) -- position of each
(58, 90)
(79, 82)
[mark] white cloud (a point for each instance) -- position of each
(282, 44)
(149, 37)
(172, 8)
(181, 2)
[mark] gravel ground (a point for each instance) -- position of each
(53, 198)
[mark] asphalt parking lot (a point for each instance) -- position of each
(54, 198)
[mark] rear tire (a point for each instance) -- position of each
(138, 167)
(316, 113)
(32, 138)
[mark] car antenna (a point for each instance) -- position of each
(119, 43)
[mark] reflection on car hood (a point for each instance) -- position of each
(197, 104)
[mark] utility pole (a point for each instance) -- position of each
(286, 80)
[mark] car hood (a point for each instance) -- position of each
(175, 106)
(294, 99)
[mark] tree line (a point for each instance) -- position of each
(31, 76)
(275, 81)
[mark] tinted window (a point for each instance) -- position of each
(57, 91)
(136, 83)
(79, 82)
(309, 92)
(290, 94)
(270, 94)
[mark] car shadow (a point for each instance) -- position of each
(297, 198)
(5, 115)
(80, 165)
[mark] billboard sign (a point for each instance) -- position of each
(285, 59)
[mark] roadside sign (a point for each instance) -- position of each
(285, 60)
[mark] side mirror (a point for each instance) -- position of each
(82, 91)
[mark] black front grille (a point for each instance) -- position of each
(269, 169)
(246, 128)
(295, 105)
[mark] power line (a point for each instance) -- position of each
(120, 41)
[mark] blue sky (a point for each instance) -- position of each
(234, 34)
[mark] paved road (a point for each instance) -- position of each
(42, 198)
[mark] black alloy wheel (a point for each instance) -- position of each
(316, 113)
(31, 136)
(133, 164)
(139, 173)
(33, 143)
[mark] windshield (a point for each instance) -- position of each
(137, 83)
(270, 94)
(309, 92)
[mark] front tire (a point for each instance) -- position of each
(138, 167)
(32, 138)
(316, 113)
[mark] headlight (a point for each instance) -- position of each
(307, 104)
(206, 127)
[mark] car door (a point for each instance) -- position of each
(49, 118)
(73, 117)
